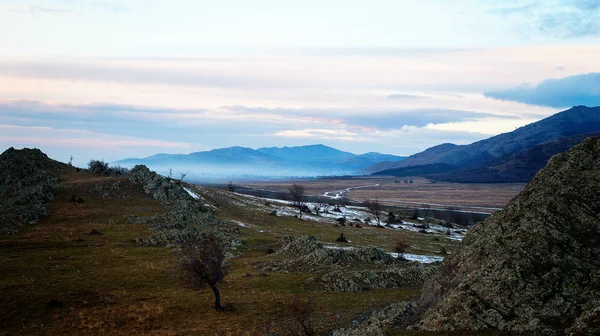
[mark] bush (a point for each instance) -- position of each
(401, 246)
(99, 167)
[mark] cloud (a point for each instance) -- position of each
(30, 9)
(42, 135)
(323, 134)
(375, 118)
(564, 92)
(557, 18)
(134, 73)
(111, 6)
(404, 96)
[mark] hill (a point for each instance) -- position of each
(531, 267)
(575, 121)
(514, 168)
(420, 170)
(425, 156)
(310, 160)
(100, 259)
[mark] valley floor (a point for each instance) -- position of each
(80, 271)
(395, 191)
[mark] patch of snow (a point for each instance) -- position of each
(423, 259)
(340, 193)
(191, 193)
(335, 247)
(242, 224)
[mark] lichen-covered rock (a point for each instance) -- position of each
(393, 276)
(308, 255)
(588, 323)
(159, 187)
(185, 218)
(346, 269)
(377, 323)
(26, 186)
(531, 267)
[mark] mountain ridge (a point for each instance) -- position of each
(577, 120)
(317, 159)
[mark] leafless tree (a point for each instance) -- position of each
(302, 311)
(70, 160)
(202, 264)
(170, 173)
(375, 208)
(231, 187)
(297, 195)
(183, 175)
(401, 246)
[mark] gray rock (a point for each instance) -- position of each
(532, 267)
(27, 184)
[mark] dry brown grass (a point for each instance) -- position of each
(422, 190)
(108, 285)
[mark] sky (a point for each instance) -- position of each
(118, 79)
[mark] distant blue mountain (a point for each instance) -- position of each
(309, 160)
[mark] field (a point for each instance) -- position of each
(61, 277)
(394, 191)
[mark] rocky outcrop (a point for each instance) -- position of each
(27, 184)
(306, 254)
(185, 218)
(392, 276)
(346, 269)
(157, 186)
(377, 322)
(533, 267)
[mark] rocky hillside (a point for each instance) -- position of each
(514, 168)
(577, 120)
(533, 267)
(26, 185)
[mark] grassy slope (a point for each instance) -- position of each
(107, 284)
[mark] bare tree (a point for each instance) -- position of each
(183, 175)
(170, 173)
(297, 195)
(302, 311)
(231, 187)
(202, 264)
(375, 208)
(70, 160)
(401, 246)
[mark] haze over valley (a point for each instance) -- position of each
(300, 168)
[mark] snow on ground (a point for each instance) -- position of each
(242, 224)
(340, 193)
(350, 213)
(335, 247)
(191, 193)
(248, 226)
(423, 259)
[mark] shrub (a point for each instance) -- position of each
(99, 167)
(401, 246)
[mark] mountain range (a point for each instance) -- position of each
(311, 160)
(509, 157)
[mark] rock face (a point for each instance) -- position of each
(347, 269)
(26, 185)
(533, 267)
(157, 186)
(185, 218)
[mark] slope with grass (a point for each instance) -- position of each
(83, 268)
